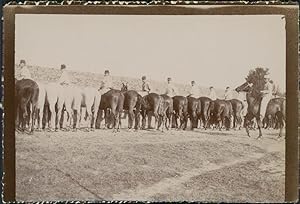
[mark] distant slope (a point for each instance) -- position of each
(93, 79)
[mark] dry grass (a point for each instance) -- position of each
(150, 165)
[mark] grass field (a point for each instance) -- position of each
(150, 165)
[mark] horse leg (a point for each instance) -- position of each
(130, 117)
(33, 116)
(259, 124)
(52, 118)
(114, 117)
(149, 119)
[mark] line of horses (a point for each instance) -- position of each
(52, 106)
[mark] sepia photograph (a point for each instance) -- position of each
(150, 107)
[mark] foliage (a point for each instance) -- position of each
(256, 77)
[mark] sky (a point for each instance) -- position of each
(213, 50)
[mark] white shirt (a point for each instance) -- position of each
(194, 91)
(64, 78)
(171, 90)
(25, 73)
(268, 90)
(212, 95)
(106, 82)
(228, 94)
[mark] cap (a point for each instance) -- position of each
(192, 81)
(143, 77)
(106, 71)
(22, 61)
(169, 78)
(63, 66)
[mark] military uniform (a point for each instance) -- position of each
(194, 91)
(25, 73)
(106, 84)
(212, 95)
(171, 90)
(64, 78)
(228, 95)
(267, 96)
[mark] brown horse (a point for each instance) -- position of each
(132, 104)
(254, 99)
(111, 103)
(150, 105)
(26, 95)
(194, 111)
(272, 118)
(205, 102)
(220, 112)
(180, 104)
(237, 107)
(166, 111)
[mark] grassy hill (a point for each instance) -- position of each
(93, 79)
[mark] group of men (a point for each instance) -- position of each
(170, 90)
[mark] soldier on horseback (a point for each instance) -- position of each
(194, 90)
(25, 73)
(106, 83)
(228, 93)
(171, 90)
(145, 87)
(64, 78)
(267, 94)
(212, 93)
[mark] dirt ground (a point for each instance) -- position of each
(150, 165)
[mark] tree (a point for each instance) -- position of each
(256, 77)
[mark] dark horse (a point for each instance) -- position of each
(237, 107)
(26, 95)
(150, 105)
(271, 116)
(132, 104)
(254, 99)
(112, 100)
(205, 103)
(165, 111)
(180, 105)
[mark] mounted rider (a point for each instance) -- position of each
(228, 93)
(106, 83)
(24, 72)
(171, 90)
(267, 94)
(64, 79)
(145, 87)
(212, 93)
(194, 90)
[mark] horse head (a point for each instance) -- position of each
(245, 87)
(124, 87)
